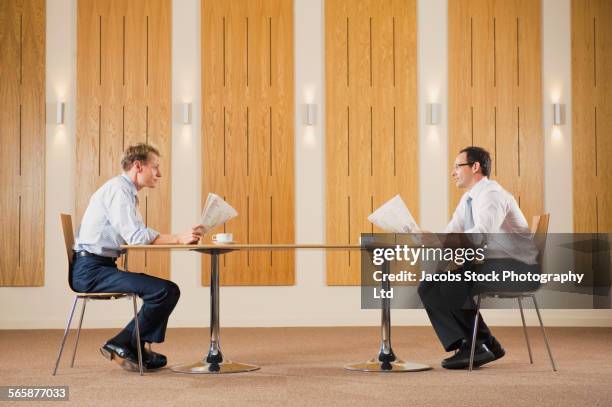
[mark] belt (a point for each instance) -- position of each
(87, 254)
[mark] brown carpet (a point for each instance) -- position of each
(304, 366)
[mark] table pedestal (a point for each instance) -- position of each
(386, 361)
(214, 362)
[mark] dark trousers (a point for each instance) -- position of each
(95, 274)
(450, 304)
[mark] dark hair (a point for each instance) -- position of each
(137, 152)
(479, 155)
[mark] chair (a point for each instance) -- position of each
(67, 229)
(539, 228)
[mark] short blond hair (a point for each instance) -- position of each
(137, 152)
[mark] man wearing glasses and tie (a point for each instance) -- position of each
(485, 210)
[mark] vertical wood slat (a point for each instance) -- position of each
(592, 115)
(247, 89)
(123, 97)
(10, 100)
(22, 137)
(495, 93)
(371, 134)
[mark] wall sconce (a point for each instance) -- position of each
(59, 113)
(558, 114)
(434, 112)
(311, 114)
(186, 113)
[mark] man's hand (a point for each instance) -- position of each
(193, 235)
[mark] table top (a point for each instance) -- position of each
(241, 246)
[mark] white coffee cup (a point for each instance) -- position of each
(223, 238)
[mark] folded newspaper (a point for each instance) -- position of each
(394, 217)
(216, 212)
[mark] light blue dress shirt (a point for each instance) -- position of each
(112, 219)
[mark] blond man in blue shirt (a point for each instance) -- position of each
(111, 219)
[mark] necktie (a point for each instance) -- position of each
(469, 217)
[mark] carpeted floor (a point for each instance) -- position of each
(304, 366)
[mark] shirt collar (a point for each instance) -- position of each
(477, 189)
(130, 183)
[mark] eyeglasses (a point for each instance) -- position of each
(456, 166)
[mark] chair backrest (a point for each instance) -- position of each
(66, 220)
(539, 228)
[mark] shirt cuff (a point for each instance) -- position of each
(152, 234)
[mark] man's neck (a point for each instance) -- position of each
(475, 181)
(132, 175)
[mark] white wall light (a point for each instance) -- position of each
(59, 113)
(558, 114)
(310, 118)
(186, 113)
(434, 112)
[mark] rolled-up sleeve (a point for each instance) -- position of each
(123, 217)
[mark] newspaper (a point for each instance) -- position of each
(216, 212)
(394, 217)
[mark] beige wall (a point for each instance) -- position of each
(310, 302)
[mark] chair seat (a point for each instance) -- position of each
(103, 296)
(508, 294)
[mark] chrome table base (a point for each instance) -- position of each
(203, 367)
(398, 365)
(214, 362)
(386, 361)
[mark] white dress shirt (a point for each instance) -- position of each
(495, 213)
(112, 219)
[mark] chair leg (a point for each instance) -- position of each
(474, 333)
(137, 334)
(525, 329)
(552, 361)
(76, 343)
(61, 349)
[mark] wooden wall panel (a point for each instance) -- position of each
(592, 115)
(494, 52)
(123, 97)
(22, 141)
(371, 121)
(248, 131)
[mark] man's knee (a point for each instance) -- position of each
(172, 291)
(162, 291)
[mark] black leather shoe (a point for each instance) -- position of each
(461, 359)
(154, 360)
(120, 355)
(495, 347)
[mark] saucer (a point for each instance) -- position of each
(222, 243)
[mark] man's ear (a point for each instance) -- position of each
(138, 165)
(476, 167)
